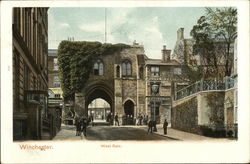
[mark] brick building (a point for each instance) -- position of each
(30, 72)
(125, 80)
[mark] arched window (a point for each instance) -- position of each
(98, 67)
(126, 68)
(118, 71)
(141, 72)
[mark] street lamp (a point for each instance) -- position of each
(154, 90)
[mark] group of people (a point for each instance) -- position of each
(81, 126)
(143, 119)
(110, 119)
(152, 124)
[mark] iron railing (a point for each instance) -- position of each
(199, 86)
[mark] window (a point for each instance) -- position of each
(57, 95)
(177, 71)
(141, 72)
(118, 71)
(56, 82)
(98, 68)
(155, 71)
(55, 64)
(126, 68)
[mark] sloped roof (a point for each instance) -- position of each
(161, 62)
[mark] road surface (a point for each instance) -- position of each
(101, 131)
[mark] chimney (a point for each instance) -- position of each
(165, 54)
(180, 35)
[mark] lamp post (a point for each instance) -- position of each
(154, 90)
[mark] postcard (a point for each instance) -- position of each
(124, 81)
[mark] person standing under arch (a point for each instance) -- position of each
(116, 120)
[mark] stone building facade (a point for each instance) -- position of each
(53, 76)
(30, 72)
(55, 99)
(125, 80)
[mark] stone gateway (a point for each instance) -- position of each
(124, 79)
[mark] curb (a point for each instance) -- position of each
(167, 136)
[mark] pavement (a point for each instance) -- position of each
(185, 136)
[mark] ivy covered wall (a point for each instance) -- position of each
(75, 63)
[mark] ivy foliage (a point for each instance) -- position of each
(75, 63)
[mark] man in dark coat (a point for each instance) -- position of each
(165, 126)
(78, 127)
(84, 126)
(150, 126)
(116, 119)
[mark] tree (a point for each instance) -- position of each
(214, 35)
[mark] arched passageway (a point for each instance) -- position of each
(99, 92)
(99, 109)
(129, 113)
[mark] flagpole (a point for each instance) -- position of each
(105, 25)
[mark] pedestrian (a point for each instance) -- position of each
(144, 119)
(84, 127)
(150, 126)
(111, 119)
(92, 118)
(140, 119)
(116, 119)
(78, 127)
(147, 120)
(165, 126)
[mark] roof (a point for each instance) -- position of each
(52, 52)
(160, 62)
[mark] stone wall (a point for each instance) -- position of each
(185, 116)
(201, 113)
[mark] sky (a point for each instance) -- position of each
(151, 27)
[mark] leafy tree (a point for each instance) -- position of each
(214, 35)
